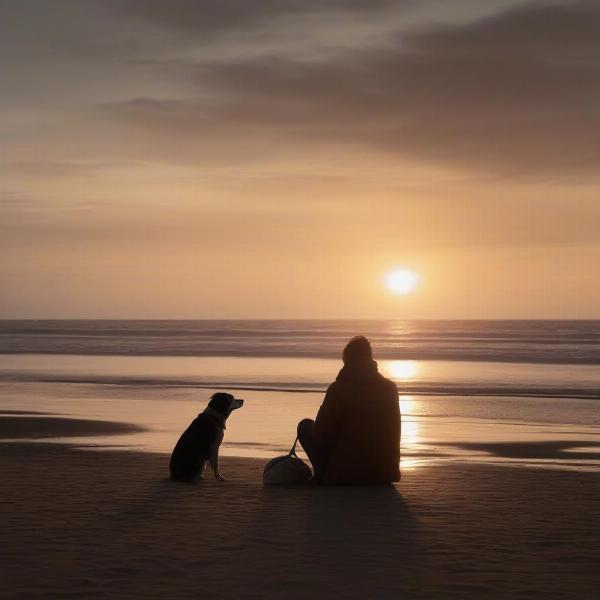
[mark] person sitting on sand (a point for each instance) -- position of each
(355, 438)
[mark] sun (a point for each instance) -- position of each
(401, 281)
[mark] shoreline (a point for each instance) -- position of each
(406, 391)
(447, 391)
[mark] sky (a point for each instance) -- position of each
(276, 158)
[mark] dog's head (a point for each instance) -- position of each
(224, 403)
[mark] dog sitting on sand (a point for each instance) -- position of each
(201, 441)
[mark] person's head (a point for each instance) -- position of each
(358, 351)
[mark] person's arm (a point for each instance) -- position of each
(328, 419)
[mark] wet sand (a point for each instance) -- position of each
(97, 524)
(38, 427)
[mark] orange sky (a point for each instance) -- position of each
(276, 159)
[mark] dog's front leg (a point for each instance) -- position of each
(214, 463)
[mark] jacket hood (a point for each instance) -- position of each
(361, 374)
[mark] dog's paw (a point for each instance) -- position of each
(219, 477)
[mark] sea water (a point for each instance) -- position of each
(516, 392)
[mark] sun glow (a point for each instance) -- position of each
(401, 281)
(401, 370)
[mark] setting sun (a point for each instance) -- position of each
(401, 281)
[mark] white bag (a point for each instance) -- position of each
(286, 470)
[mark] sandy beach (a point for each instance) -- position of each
(83, 523)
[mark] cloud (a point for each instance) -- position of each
(213, 17)
(49, 169)
(516, 93)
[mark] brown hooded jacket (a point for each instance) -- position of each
(358, 425)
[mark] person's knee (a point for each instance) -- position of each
(305, 426)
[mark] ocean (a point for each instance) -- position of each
(462, 384)
(533, 342)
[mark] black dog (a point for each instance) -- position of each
(201, 440)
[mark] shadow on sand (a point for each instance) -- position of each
(338, 538)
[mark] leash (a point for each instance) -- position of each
(292, 451)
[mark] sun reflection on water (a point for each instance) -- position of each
(407, 404)
(401, 370)
(408, 464)
(410, 432)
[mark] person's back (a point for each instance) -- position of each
(359, 422)
(356, 436)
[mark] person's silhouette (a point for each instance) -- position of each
(355, 438)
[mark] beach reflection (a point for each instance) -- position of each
(408, 464)
(407, 404)
(410, 432)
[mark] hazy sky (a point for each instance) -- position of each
(275, 158)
